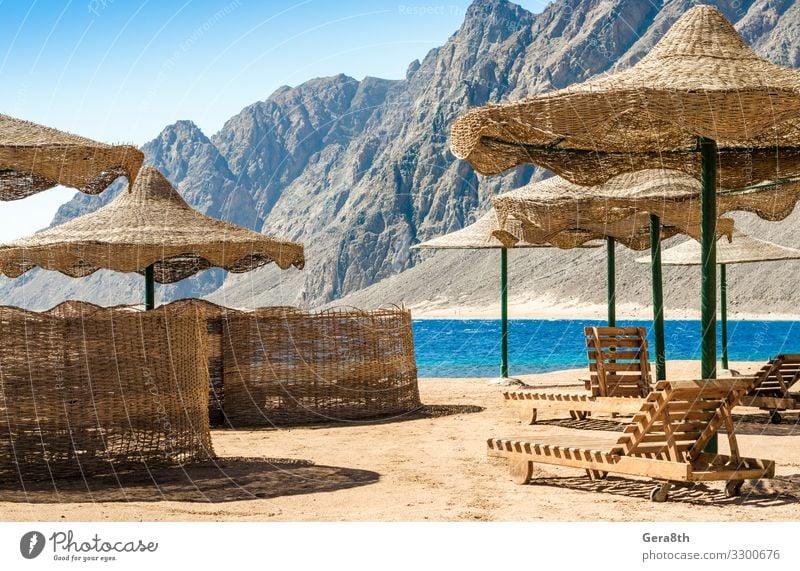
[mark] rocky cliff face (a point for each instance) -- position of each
(360, 170)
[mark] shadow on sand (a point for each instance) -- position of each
(218, 481)
(591, 423)
(756, 424)
(423, 412)
(766, 493)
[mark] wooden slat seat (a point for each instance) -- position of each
(620, 376)
(619, 371)
(664, 441)
(618, 361)
(774, 381)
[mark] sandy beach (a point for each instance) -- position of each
(424, 467)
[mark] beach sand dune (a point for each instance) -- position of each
(426, 467)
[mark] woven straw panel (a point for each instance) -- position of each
(110, 389)
(701, 79)
(742, 249)
(213, 316)
(34, 158)
(285, 366)
(736, 168)
(564, 214)
(480, 235)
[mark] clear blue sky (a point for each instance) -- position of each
(120, 70)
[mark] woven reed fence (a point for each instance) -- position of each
(286, 366)
(85, 389)
(283, 365)
(212, 316)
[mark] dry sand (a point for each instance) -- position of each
(432, 467)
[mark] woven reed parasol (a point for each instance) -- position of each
(742, 249)
(148, 230)
(700, 95)
(700, 80)
(637, 209)
(34, 158)
(559, 212)
(479, 236)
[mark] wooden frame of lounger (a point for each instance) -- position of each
(619, 378)
(665, 441)
(771, 391)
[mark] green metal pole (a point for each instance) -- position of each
(503, 313)
(723, 302)
(149, 288)
(658, 296)
(612, 284)
(708, 249)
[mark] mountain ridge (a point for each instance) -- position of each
(360, 170)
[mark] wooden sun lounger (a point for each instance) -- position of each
(665, 441)
(619, 378)
(773, 383)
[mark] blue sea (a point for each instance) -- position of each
(471, 348)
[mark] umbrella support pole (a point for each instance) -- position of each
(149, 288)
(708, 253)
(658, 296)
(503, 313)
(612, 283)
(723, 306)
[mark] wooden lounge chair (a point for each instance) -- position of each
(665, 441)
(619, 378)
(773, 382)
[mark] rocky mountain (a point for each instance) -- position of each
(360, 170)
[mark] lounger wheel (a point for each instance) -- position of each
(527, 415)
(775, 417)
(521, 471)
(733, 488)
(661, 492)
(577, 414)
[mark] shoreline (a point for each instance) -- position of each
(545, 310)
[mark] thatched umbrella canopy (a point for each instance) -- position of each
(34, 158)
(479, 236)
(701, 101)
(559, 212)
(741, 249)
(700, 80)
(149, 230)
(637, 209)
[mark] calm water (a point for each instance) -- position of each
(471, 348)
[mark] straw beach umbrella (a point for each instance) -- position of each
(149, 230)
(636, 209)
(478, 236)
(34, 158)
(742, 249)
(701, 101)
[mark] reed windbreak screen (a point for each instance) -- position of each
(285, 366)
(86, 389)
